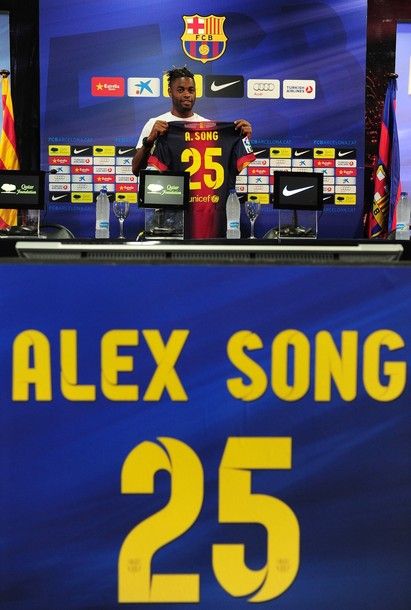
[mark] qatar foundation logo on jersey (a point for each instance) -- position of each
(203, 38)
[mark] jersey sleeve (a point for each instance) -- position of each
(160, 156)
(244, 154)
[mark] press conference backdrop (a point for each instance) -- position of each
(148, 430)
(296, 70)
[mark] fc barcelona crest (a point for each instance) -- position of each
(204, 38)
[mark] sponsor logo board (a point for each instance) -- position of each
(82, 179)
(59, 178)
(63, 151)
(342, 199)
(280, 152)
(107, 86)
(81, 187)
(224, 86)
(81, 169)
(299, 89)
(81, 160)
(77, 197)
(59, 197)
(104, 151)
(263, 88)
(130, 197)
(143, 87)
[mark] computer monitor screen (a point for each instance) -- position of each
(163, 189)
(21, 190)
(298, 191)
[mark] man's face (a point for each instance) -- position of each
(183, 95)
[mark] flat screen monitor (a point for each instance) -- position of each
(21, 190)
(298, 191)
(163, 189)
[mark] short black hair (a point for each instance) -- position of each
(175, 73)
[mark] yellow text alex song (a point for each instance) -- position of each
(32, 366)
(342, 368)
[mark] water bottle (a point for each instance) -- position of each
(103, 215)
(402, 229)
(233, 215)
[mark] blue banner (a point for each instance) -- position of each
(205, 437)
(295, 70)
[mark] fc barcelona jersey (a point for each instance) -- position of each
(213, 154)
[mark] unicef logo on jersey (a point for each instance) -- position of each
(203, 38)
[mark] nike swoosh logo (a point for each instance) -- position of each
(126, 150)
(77, 151)
(288, 193)
(302, 152)
(54, 198)
(259, 152)
(343, 154)
(216, 88)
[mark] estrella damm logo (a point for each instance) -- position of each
(203, 38)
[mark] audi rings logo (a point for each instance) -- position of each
(258, 88)
(263, 86)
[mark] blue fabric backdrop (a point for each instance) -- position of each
(63, 516)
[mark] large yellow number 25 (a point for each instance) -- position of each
(237, 504)
(212, 179)
(136, 582)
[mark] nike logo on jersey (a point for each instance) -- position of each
(287, 192)
(343, 154)
(215, 87)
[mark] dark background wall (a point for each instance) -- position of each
(382, 19)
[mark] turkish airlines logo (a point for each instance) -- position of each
(224, 86)
(258, 88)
(299, 89)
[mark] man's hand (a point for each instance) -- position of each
(142, 154)
(244, 126)
(159, 129)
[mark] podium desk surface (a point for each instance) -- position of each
(242, 251)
